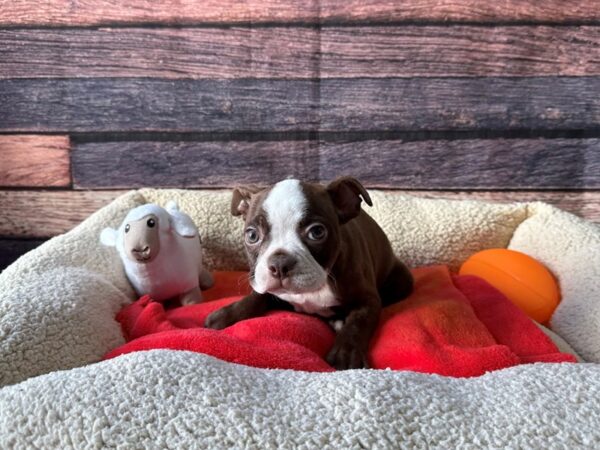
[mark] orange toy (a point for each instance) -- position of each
(523, 280)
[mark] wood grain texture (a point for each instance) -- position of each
(460, 51)
(42, 214)
(467, 164)
(133, 104)
(34, 161)
(394, 104)
(88, 12)
(431, 164)
(12, 249)
(294, 52)
(164, 52)
(192, 164)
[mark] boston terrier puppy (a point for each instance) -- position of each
(313, 249)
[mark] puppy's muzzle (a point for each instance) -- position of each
(281, 264)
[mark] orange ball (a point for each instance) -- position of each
(523, 280)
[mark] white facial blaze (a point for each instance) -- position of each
(285, 207)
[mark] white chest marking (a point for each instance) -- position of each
(317, 302)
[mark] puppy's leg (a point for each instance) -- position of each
(397, 285)
(252, 305)
(351, 344)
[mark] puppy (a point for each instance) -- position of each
(313, 249)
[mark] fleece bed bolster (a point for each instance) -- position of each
(57, 309)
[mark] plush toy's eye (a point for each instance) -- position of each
(127, 227)
(151, 223)
(252, 236)
(316, 232)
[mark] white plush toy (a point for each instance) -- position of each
(161, 252)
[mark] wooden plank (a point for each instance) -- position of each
(467, 164)
(11, 249)
(42, 214)
(458, 103)
(431, 164)
(192, 164)
(296, 52)
(34, 161)
(163, 53)
(133, 104)
(460, 51)
(85, 12)
(388, 104)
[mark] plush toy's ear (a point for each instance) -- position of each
(172, 206)
(240, 201)
(108, 237)
(346, 193)
(182, 223)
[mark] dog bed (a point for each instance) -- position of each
(57, 320)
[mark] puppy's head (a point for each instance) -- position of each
(292, 231)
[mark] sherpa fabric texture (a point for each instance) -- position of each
(57, 308)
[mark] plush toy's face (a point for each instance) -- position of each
(141, 239)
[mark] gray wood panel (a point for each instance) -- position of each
(430, 164)
(191, 164)
(106, 104)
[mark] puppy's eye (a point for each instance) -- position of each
(151, 223)
(316, 232)
(252, 236)
(127, 227)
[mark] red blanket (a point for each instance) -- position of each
(456, 326)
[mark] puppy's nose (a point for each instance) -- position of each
(280, 264)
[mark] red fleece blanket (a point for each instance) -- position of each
(451, 325)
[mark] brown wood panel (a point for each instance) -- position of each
(191, 164)
(461, 51)
(467, 164)
(430, 164)
(34, 161)
(386, 104)
(87, 12)
(42, 214)
(160, 52)
(11, 249)
(296, 52)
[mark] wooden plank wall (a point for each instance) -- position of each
(462, 99)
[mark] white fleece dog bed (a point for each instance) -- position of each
(57, 308)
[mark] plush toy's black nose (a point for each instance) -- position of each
(281, 264)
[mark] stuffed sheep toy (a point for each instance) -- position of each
(161, 252)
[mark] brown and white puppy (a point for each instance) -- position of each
(312, 248)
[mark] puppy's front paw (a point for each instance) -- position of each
(345, 355)
(220, 319)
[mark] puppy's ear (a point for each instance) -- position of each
(346, 193)
(240, 201)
